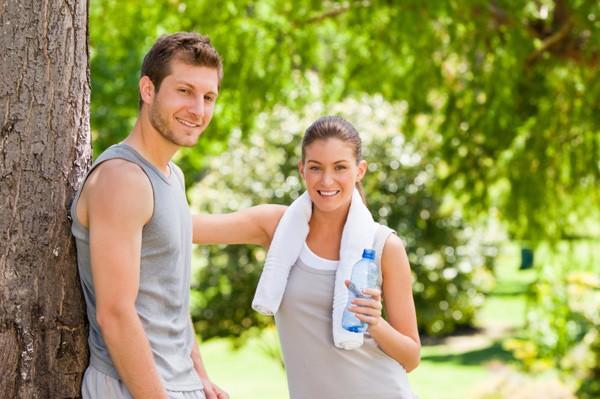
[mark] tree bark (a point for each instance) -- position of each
(44, 154)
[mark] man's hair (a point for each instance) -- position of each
(187, 47)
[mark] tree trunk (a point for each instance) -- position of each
(44, 154)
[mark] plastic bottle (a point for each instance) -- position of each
(365, 274)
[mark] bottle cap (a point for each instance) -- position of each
(369, 254)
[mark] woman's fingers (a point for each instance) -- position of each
(374, 293)
(368, 309)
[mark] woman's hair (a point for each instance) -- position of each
(336, 127)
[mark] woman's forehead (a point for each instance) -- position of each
(329, 147)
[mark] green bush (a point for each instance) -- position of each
(450, 274)
(507, 383)
(562, 330)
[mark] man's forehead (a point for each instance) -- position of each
(194, 75)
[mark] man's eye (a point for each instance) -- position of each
(340, 167)
(314, 168)
(184, 91)
(210, 99)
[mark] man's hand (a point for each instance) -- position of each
(211, 391)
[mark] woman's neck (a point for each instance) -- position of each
(329, 221)
(325, 232)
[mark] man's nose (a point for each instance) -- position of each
(197, 107)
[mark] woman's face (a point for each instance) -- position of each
(330, 172)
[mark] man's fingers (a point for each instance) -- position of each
(221, 394)
(210, 393)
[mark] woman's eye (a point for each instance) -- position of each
(184, 91)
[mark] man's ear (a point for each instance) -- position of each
(146, 89)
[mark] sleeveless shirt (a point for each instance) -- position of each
(162, 301)
(315, 367)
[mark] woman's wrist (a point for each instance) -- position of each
(375, 330)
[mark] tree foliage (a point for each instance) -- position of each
(507, 89)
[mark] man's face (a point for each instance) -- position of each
(183, 106)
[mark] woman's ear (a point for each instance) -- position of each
(301, 169)
(146, 89)
(362, 169)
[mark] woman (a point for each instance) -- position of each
(331, 168)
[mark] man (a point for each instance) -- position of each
(133, 231)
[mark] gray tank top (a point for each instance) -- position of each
(315, 367)
(162, 302)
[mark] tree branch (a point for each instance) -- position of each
(550, 41)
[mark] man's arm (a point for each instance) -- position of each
(211, 391)
(119, 201)
(255, 225)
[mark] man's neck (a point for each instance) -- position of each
(151, 145)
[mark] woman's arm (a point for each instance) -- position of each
(397, 336)
(255, 225)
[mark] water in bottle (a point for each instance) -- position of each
(364, 275)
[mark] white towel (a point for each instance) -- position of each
(289, 237)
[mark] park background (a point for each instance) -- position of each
(480, 123)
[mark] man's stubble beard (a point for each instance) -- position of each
(159, 122)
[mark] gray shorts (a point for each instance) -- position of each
(97, 385)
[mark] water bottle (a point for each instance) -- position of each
(365, 274)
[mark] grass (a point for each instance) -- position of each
(247, 373)
(449, 369)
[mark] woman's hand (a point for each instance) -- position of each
(368, 308)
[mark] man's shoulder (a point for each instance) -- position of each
(119, 190)
(120, 172)
(119, 182)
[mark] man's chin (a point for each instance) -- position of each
(188, 141)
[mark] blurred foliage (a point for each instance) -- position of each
(506, 90)
(562, 329)
(510, 384)
(450, 274)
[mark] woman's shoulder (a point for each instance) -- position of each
(384, 237)
(390, 245)
(393, 243)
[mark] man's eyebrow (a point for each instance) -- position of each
(190, 85)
